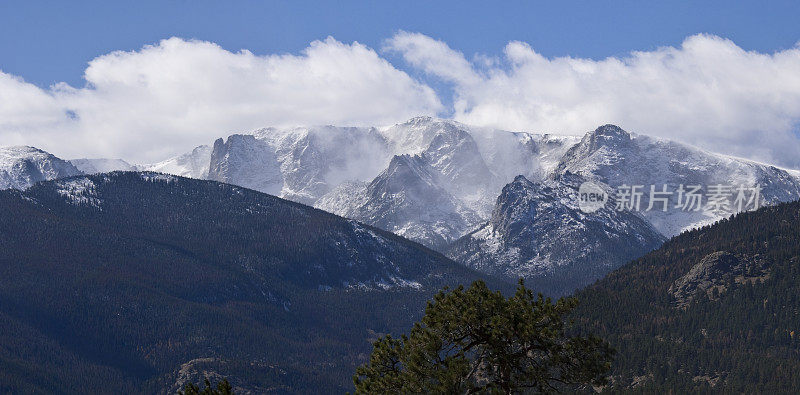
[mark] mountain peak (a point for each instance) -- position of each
(19, 152)
(607, 146)
(408, 168)
(227, 161)
(423, 119)
(520, 179)
(23, 166)
(404, 160)
(609, 133)
(535, 227)
(426, 121)
(408, 199)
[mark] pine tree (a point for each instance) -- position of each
(223, 388)
(476, 340)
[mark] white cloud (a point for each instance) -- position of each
(146, 105)
(163, 99)
(707, 92)
(433, 56)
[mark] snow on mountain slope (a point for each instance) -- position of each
(101, 165)
(512, 154)
(466, 165)
(506, 154)
(616, 157)
(228, 156)
(193, 164)
(345, 199)
(460, 169)
(300, 164)
(407, 199)
(455, 155)
(537, 231)
(435, 181)
(21, 167)
(330, 167)
(415, 135)
(315, 160)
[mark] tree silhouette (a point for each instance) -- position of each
(476, 340)
(223, 388)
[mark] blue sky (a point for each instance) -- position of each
(718, 74)
(51, 41)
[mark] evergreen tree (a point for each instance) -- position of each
(476, 340)
(223, 388)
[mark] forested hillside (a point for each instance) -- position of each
(715, 308)
(135, 282)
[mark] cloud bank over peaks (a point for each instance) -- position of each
(708, 92)
(162, 99)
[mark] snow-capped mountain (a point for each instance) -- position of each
(21, 167)
(331, 168)
(95, 166)
(505, 154)
(300, 164)
(537, 231)
(616, 158)
(456, 171)
(408, 199)
(227, 157)
(193, 164)
(437, 182)
(453, 154)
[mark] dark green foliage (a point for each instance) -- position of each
(477, 340)
(223, 388)
(743, 339)
(116, 299)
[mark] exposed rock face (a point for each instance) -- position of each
(313, 161)
(192, 164)
(21, 167)
(435, 180)
(454, 174)
(407, 199)
(329, 167)
(227, 158)
(461, 169)
(215, 370)
(714, 274)
(616, 157)
(538, 232)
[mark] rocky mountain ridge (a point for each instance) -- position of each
(437, 181)
(538, 232)
(21, 167)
